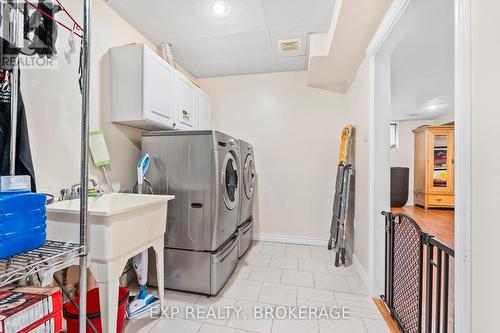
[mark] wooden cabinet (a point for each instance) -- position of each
(434, 166)
(148, 93)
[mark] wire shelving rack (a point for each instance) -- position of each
(55, 255)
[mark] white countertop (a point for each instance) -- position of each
(109, 204)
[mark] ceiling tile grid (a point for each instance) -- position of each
(244, 41)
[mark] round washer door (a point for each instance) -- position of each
(230, 181)
(249, 176)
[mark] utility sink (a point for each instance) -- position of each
(118, 223)
(119, 227)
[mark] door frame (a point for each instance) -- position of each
(463, 155)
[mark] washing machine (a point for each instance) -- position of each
(201, 168)
(245, 225)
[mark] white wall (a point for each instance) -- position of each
(485, 160)
(358, 97)
(403, 155)
(53, 104)
(445, 119)
(295, 131)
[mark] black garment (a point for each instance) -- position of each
(24, 164)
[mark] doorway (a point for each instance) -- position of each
(418, 65)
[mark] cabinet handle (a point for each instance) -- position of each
(439, 199)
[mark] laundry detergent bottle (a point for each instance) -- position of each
(22, 216)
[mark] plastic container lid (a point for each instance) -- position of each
(9, 184)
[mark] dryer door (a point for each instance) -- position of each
(249, 176)
(229, 178)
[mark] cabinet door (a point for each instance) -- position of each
(204, 111)
(441, 146)
(186, 112)
(159, 90)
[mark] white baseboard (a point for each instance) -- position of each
(360, 270)
(316, 241)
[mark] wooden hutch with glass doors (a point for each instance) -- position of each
(434, 166)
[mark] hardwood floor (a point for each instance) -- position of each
(391, 323)
(438, 222)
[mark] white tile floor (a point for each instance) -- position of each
(275, 274)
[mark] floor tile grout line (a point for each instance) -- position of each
(156, 324)
(348, 285)
(364, 324)
(296, 296)
(335, 297)
(199, 329)
(260, 291)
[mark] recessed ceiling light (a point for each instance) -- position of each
(220, 8)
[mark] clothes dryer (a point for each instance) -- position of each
(247, 184)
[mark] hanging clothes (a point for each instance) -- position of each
(40, 35)
(24, 163)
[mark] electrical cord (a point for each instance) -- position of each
(147, 184)
(149, 190)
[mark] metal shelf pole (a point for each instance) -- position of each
(84, 171)
(14, 85)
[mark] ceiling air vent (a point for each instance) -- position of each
(286, 45)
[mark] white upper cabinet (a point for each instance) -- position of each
(142, 88)
(148, 93)
(186, 104)
(159, 85)
(204, 110)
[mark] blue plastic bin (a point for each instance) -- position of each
(22, 222)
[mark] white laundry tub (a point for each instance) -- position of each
(118, 223)
(119, 226)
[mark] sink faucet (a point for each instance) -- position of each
(74, 191)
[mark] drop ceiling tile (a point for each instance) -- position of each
(202, 70)
(291, 64)
(298, 30)
(240, 47)
(288, 12)
(167, 20)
